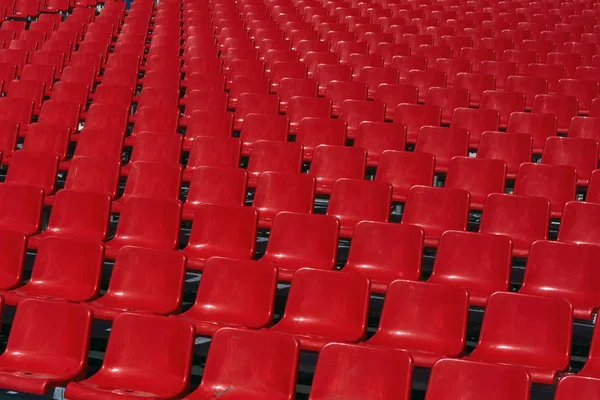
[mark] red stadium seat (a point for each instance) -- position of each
(376, 137)
(557, 183)
(443, 143)
(18, 110)
(571, 386)
(452, 68)
(34, 168)
(262, 127)
(381, 366)
(290, 87)
(405, 64)
(478, 176)
(568, 60)
(563, 107)
(407, 308)
(331, 163)
(552, 73)
(514, 149)
(505, 103)
(399, 255)
(38, 366)
(354, 112)
(64, 269)
(353, 201)
(415, 116)
(579, 223)
(585, 91)
(252, 103)
(520, 57)
(523, 219)
(162, 373)
(207, 123)
(546, 275)
(509, 338)
(136, 228)
(452, 378)
(339, 91)
(243, 360)
(480, 273)
(316, 131)
(302, 107)
(538, 126)
(155, 147)
(325, 73)
(300, 240)
(375, 76)
(527, 85)
(476, 122)
(347, 297)
(501, 70)
(579, 153)
(447, 99)
(424, 80)
(393, 95)
(476, 83)
(93, 175)
(477, 56)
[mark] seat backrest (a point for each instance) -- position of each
(44, 137)
(333, 162)
(443, 143)
(447, 99)
(580, 223)
(156, 119)
(478, 176)
(354, 112)
(33, 168)
(316, 131)
(539, 126)
(65, 328)
(272, 360)
(285, 157)
(415, 116)
(572, 386)
(156, 147)
(107, 116)
(455, 378)
(512, 148)
(171, 341)
(96, 175)
(404, 170)
(154, 180)
(476, 122)
(382, 367)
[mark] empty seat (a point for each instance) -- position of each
(530, 86)
(480, 273)
(262, 127)
(500, 70)
(325, 73)
(290, 87)
(163, 269)
(207, 123)
(76, 215)
(451, 379)
(334, 162)
(346, 297)
(376, 137)
(579, 223)
(478, 176)
(38, 366)
(137, 227)
(524, 219)
(436, 210)
(585, 128)
(303, 107)
(381, 367)
(50, 138)
(129, 367)
(253, 103)
(374, 76)
(506, 103)
(452, 68)
(64, 269)
(313, 246)
(339, 91)
(538, 126)
(219, 303)
(443, 143)
(581, 154)
(393, 95)
(34, 168)
(27, 90)
(353, 112)
(155, 147)
(557, 183)
(407, 63)
(404, 170)
(316, 131)
(476, 84)
(353, 201)
(563, 107)
(424, 80)
(384, 252)
(477, 56)
(244, 360)
(415, 116)
(476, 122)
(447, 99)
(572, 386)
(552, 73)
(408, 307)
(18, 110)
(514, 337)
(585, 92)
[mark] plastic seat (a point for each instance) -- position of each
(393, 95)
(104, 116)
(290, 87)
(478, 176)
(34, 168)
(480, 273)
(552, 73)
(546, 275)
(305, 316)
(154, 147)
(150, 180)
(92, 175)
(477, 56)
(136, 228)
(539, 126)
(26, 90)
(452, 378)
(283, 69)
(339, 91)
(512, 148)
(452, 67)
(333, 380)
(353, 201)
(581, 154)
(38, 366)
(60, 113)
(563, 107)
(476, 83)
(557, 183)
(277, 192)
(513, 338)
(17, 57)
(421, 210)
(520, 57)
(403, 170)
(164, 269)
(354, 112)
(505, 103)
(76, 215)
(399, 255)
(236, 351)
(527, 85)
(376, 137)
(18, 110)
(583, 90)
(416, 116)
(424, 80)
(524, 219)
(584, 128)
(331, 163)
(568, 60)
(447, 99)
(262, 127)
(476, 122)
(70, 92)
(579, 223)
(374, 76)
(50, 138)
(162, 120)
(303, 107)
(325, 73)
(64, 269)
(405, 321)
(572, 386)
(406, 63)
(443, 143)
(313, 246)
(316, 131)
(253, 103)
(162, 373)
(500, 70)
(219, 304)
